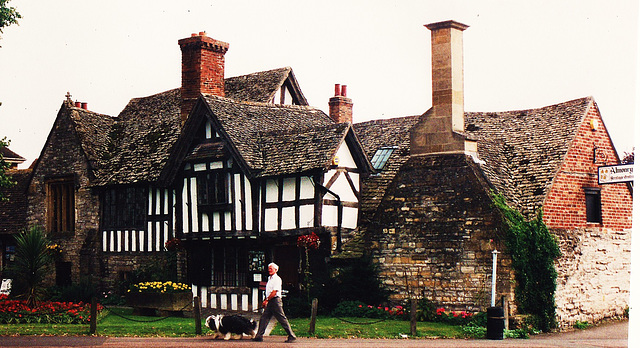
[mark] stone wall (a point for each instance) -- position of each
(63, 157)
(593, 275)
(434, 234)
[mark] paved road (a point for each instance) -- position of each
(607, 335)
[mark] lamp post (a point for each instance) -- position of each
(493, 277)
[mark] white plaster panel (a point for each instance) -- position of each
(306, 215)
(185, 208)
(307, 190)
(288, 218)
(346, 159)
(194, 203)
(329, 215)
(272, 191)
(289, 189)
(349, 217)
(271, 219)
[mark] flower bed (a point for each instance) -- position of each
(159, 287)
(17, 312)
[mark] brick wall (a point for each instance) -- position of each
(433, 234)
(594, 269)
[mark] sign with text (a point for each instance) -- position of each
(615, 174)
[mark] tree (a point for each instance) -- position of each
(628, 156)
(5, 180)
(32, 265)
(8, 15)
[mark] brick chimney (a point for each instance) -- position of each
(441, 129)
(341, 107)
(202, 69)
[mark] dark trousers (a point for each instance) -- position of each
(274, 308)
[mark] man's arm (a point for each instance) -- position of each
(271, 295)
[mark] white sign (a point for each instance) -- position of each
(615, 174)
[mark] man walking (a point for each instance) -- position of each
(273, 306)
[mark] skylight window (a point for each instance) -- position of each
(381, 157)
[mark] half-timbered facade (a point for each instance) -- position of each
(236, 168)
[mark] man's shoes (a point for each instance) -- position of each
(291, 339)
(257, 339)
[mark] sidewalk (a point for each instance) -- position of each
(607, 335)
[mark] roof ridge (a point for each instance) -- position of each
(571, 101)
(260, 104)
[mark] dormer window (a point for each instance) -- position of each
(381, 157)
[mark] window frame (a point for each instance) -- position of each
(381, 156)
(125, 207)
(593, 205)
(61, 205)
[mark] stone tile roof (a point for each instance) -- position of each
(141, 139)
(13, 210)
(374, 135)
(135, 146)
(522, 150)
(11, 156)
(260, 86)
(92, 129)
(284, 138)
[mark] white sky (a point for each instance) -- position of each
(517, 55)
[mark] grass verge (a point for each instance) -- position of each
(114, 325)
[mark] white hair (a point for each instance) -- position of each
(274, 266)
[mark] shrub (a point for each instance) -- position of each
(162, 287)
(359, 309)
(18, 312)
(581, 325)
(533, 250)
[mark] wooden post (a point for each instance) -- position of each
(414, 316)
(314, 313)
(196, 315)
(505, 306)
(93, 320)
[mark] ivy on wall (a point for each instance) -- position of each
(533, 250)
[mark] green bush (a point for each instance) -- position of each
(358, 309)
(533, 250)
(581, 325)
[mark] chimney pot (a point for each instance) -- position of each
(202, 69)
(340, 107)
(194, 34)
(77, 104)
(202, 33)
(84, 105)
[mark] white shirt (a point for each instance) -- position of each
(274, 283)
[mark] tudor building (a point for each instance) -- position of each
(222, 164)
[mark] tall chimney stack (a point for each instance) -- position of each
(341, 107)
(441, 129)
(202, 69)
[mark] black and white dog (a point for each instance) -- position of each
(231, 326)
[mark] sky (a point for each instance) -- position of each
(517, 55)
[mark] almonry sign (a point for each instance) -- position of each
(615, 174)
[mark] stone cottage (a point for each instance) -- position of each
(428, 219)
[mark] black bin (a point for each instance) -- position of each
(495, 323)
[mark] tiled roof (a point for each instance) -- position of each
(136, 145)
(92, 129)
(10, 156)
(374, 135)
(258, 87)
(13, 210)
(284, 138)
(140, 140)
(522, 150)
